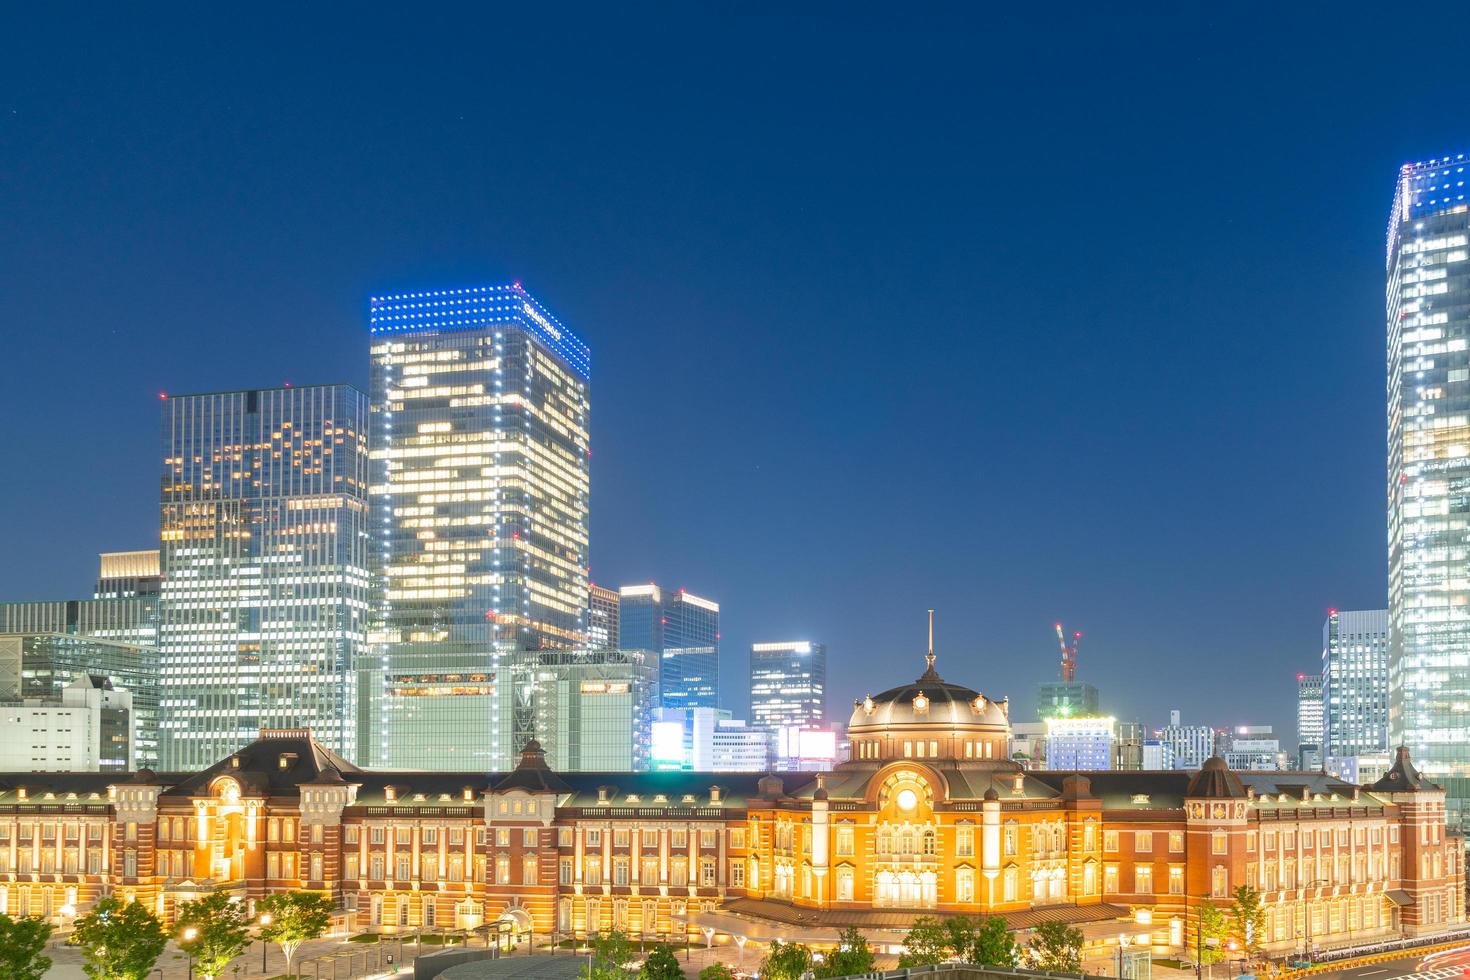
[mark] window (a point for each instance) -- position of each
(405, 868)
(375, 868)
(679, 872)
(502, 837)
(1011, 884)
(350, 867)
(620, 837)
(1110, 879)
(350, 833)
(708, 839)
(430, 835)
(679, 839)
(964, 882)
(650, 839)
(528, 837)
(1110, 841)
(737, 874)
(844, 884)
(1143, 879)
(1176, 842)
(964, 845)
(530, 871)
(502, 868)
(376, 835)
(593, 837)
(1176, 879)
(1143, 842)
(706, 873)
(1010, 834)
(1219, 842)
(592, 871)
(429, 867)
(1219, 882)
(564, 837)
(620, 870)
(564, 871)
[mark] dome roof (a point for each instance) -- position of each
(930, 700)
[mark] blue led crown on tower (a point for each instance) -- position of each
(478, 306)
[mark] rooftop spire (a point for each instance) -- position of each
(929, 672)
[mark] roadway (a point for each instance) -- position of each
(1449, 965)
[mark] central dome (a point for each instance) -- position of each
(930, 718)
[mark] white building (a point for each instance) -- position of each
(1080, 743)
(1190, 744)
(1157, 754)
(737, 747)
(710, 740)
(1028, 744)
(89, 728)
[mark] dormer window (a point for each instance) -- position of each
(234, 762)
(688, 798)
(602, 794)
(469, 795)
(714, 794)
(390, 794)
(1018, 784)
(285, 760)
(660, 798)
(1140, 799)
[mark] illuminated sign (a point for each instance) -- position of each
(668, 742)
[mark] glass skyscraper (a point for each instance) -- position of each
(1428, 314)
(263, 617)
(684, 630)
(1354, 682)
(480, 404)
(788, 683)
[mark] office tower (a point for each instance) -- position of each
(1066, 699)
(1128, 746)
(1428, 347)
(87, 728)
(1310, 715)
(1190, 745)
(263, 618)
(1157, 754)
(39, 667)
(480, 496)
(1253, 748)
(788, 683)
(591, 710)
(684, 630)
(602, 618)
(1079, 743)
(1355, 682)
(124, 574)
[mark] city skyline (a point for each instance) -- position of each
(749, 381)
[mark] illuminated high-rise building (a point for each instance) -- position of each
(684, 630)
(1355, 682)
(480, 515)
(1310, 721)
(263, 617)
(1428, 325)
(788, 683)
(603, 614)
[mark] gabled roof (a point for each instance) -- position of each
(1402, 777)
(277, 762)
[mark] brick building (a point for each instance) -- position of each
(928, 817)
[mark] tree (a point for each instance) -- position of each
(1249, 919)
(22, 943)
(611, 953)
(1213, 927)
(717, 971)
(220, 931)
(927, 943)
(852, 955)
(961, 929)
(295, 918)
(661, 965)
(119, 940)
(786, 961)
(1057, 948)
(994, 944)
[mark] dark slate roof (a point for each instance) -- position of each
(532, 774)
(259, 768)
(51, 788)
(1402, 777)
(1215, 781)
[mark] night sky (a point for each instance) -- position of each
(890, 307)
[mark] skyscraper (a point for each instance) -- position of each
(592, 709)
(1310, 714)
(263, 617)
(1355, 682)
(602, 618)
(1428, 321)
(480, 510)
(684, 630)
(788, 683)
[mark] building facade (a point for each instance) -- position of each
(1428, 362)
(684, 630)
(1310, 720)
(788, 683)
(1080, 743)
(1355, 682)
(480, 489)
(928, 818)
(602, 618)
(40, 667)
(1066, 699)
(263, 520)
(88, 728)
(590, 710)
(1190, 745)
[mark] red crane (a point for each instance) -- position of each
(1069, 653)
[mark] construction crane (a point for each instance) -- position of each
(1069, 653)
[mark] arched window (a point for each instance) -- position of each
(929, 842)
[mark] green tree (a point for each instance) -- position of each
(786, 961)
(119, 940)
(927, 943)
(289, 919)
(994, 944)
(961, 929)
(1213, 926)
(22, 943)
(1248, 915)
(661, 965)
(611, 953)
(852, 955)
(214, 930)
(1057, 948)
(717, 971)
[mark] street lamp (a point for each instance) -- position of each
(265, 920)
(190, 934)
(1123, 940)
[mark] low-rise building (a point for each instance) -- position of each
(87, 728)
